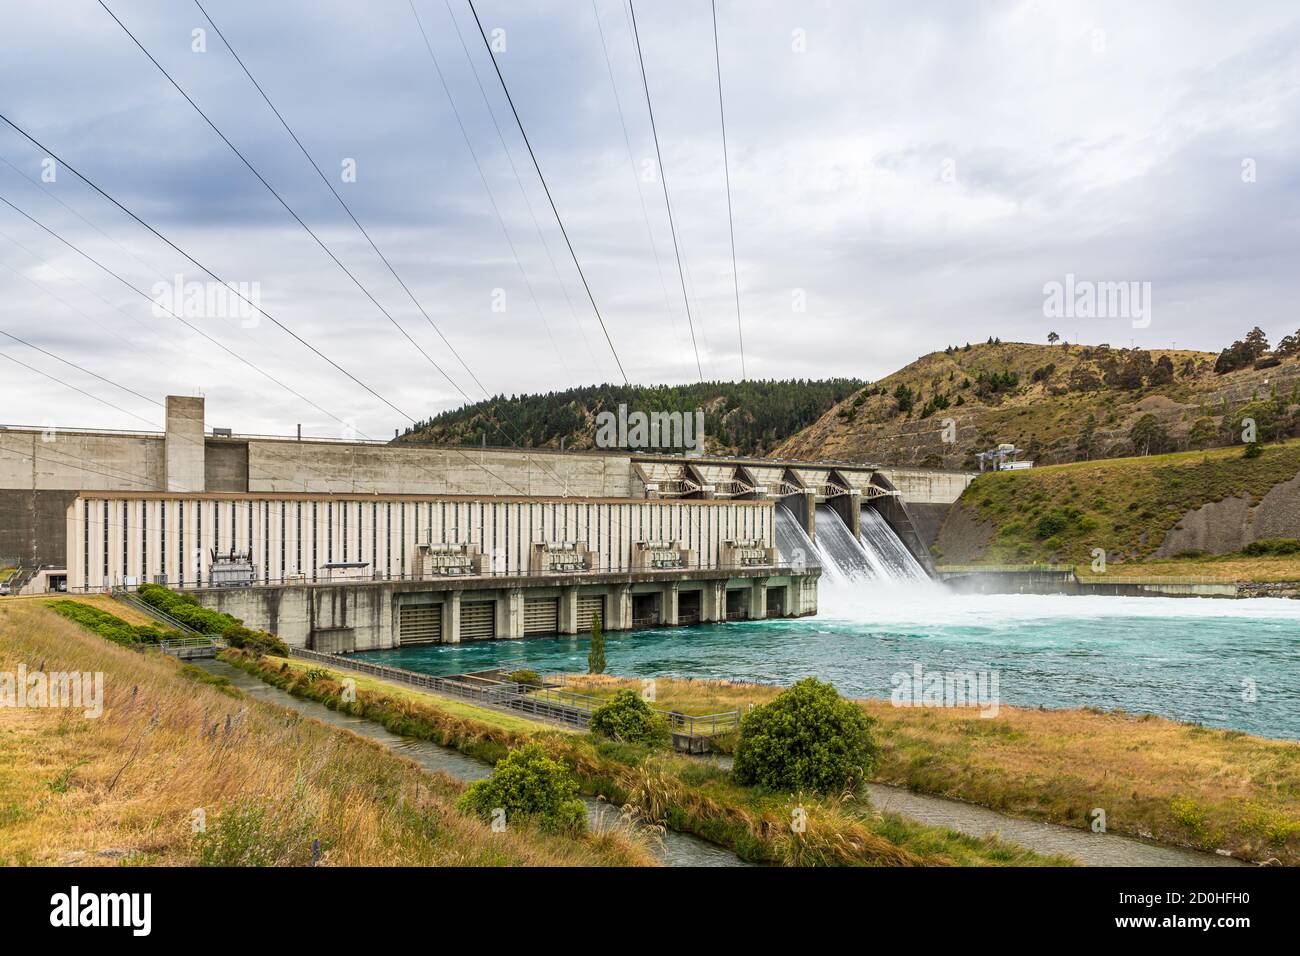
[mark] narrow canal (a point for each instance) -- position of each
(672, 849)
(680, 849)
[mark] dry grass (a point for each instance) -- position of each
(1230, 568)
(669, 790)
(1179, 783)
(683, 695)
(124, 787)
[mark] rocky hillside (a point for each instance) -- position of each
(1060, 403)
(740, 418)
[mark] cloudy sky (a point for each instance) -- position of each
(904, 176)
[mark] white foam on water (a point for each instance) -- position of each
(931, 604)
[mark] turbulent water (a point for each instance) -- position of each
(1225, 663)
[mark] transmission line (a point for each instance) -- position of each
(280, 199)
(627, 141)
(726, 168)
(537, 226)
(145, 295)
(549, 198)
(272, 319)
(346, 208)
(663, 181)
(55, 378)
(486, 187)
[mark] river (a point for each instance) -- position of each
(1232, 664)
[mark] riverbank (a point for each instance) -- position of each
(172, 752)
(1185, 785)
(682, 793)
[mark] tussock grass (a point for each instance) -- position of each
(125, 787)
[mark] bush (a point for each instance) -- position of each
(1272, 546)
(206, 621)
(186, 609)
(263, 642)
(528, 783)
(807, 739)
(525, 676)
(627, 717)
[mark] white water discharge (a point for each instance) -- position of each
(880, 541)
(840, 551)
(793, 545)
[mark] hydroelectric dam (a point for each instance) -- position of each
(343, 545)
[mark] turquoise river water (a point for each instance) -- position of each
(1225, 663)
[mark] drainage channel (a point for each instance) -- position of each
(671, 848)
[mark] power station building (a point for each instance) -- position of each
(346, 545)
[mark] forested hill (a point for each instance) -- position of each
(743, 418)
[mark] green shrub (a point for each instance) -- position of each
(264, 642)
(231, 629)
(530, 784)
(629, 718)
(186, 609)
(807, 739)
(525, 676)
(251, 834)
(1272, 546)
(111, 627)
(1051, 524)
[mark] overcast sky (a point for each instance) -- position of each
(910, 175)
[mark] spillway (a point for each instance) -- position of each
(793, 546)
(842, 555)
(887, 549)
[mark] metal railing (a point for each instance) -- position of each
(191, 648)
(548, 702)
(1003, 568)
(499, 697)
(451, 580)
(161, 616)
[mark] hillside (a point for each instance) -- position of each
(743, 418)
(1186, 506)
(1060, 403)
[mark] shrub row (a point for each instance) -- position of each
(189, 611)
(1272, 546)
(111, 627)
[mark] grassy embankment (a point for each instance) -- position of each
(1060, 513)
(1178, 783)
(123, 788)
(683, 793)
